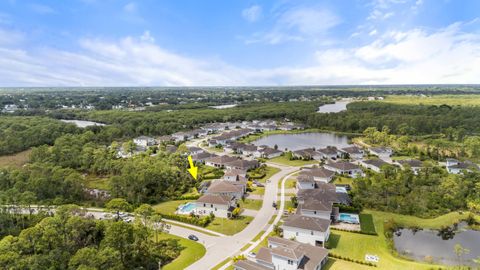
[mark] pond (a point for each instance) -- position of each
(439, 246)
(82, 123)
(334, 108)
(303, 140)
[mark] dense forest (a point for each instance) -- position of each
(20, 133)
(406, 119)
(70, 241)
(431, 193)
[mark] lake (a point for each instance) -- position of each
(422, 244)
(82, 123)
(303, 140)
(334, 108)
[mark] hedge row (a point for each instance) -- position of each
(353, 231)
(187, 197)
(345, 258)
(202, 222)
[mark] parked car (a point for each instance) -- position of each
(193, 237)
(252, 254)
(274, 204)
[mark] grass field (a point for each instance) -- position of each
(285, 161)
(366, 223)
(229, 226)
(251, 204)
(15, 160)
(452, 100)
(258, 190)
(92, 181)
(192, 252)
(343, 180)
(289, 183)
(269, 171)
(169, 207)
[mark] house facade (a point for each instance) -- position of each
(219, 205)
(307, 230)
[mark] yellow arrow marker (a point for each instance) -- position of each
(193, 170)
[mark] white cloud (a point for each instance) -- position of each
(8, 37)
(253, 13)
(147, 37)
(298, 24)
(446, 55)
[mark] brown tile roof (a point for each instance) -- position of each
(343, 165)
(215, 199)
(223, 187)
(307, 223)
(249, 265)
(221, 159)
(318, 172)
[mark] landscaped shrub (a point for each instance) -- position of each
(187, 197)
(194, 220)
(340, 257)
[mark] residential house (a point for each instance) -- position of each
(284, 254)
(344, 168)
(195, 150)
(219, 205)
(307, 230)
(414, 165)
(201, 157)
(307, 154)
(268, 152)
(373, 164)
(353, 152)
(144, 141)
(220, 187)
(249, 150)
(219, 161)
(318, 174)
(242, 164)
(234, 174)
(381, 152)
(329, 152)
(305, 182)
(457, 167)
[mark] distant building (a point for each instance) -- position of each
(307, 230)
(373, 164)
(381, 152)
(344, 168)
(353, 152)
(144, 141)
(413, 164)
(219, 205)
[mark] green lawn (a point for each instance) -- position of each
(366, 223)
(288, 204)
(269, 171)
(215, 150)
(258, 190)
(169, 207)
(229, 226)
(336, 264)
(343, 180)
(251, 204)
(411, 221)
(289, 183)
(355, 245)
(15, 160)
(92, 181)
(285, 161)
(192, 252)
(452, 100)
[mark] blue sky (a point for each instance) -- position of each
(163, 43)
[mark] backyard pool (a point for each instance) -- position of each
(186, 208)
(349, 218)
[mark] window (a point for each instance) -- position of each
(296, 233)
(290, 262)
(311, 232)
(204, 205)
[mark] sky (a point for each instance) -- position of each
(238, 42)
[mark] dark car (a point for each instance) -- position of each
(274, 204)
(193, 237)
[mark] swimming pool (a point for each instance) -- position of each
(349, 218)
(187, 208)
